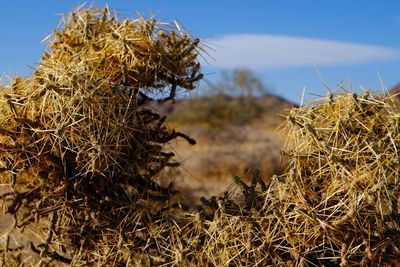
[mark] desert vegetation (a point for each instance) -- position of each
(86, 164)
(235, 130)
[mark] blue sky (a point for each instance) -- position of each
(289, 44)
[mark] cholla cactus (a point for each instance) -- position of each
(78, 134)
(85, 102)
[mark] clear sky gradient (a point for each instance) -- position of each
(289, 44)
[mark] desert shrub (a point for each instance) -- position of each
(224, 111)
(235, 99)
(220, 111)
(231, 101)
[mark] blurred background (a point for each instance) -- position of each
(261, 58)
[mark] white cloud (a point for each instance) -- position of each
(272, 51)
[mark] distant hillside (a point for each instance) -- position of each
(269, 103)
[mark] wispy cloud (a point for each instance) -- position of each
(272, 51)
